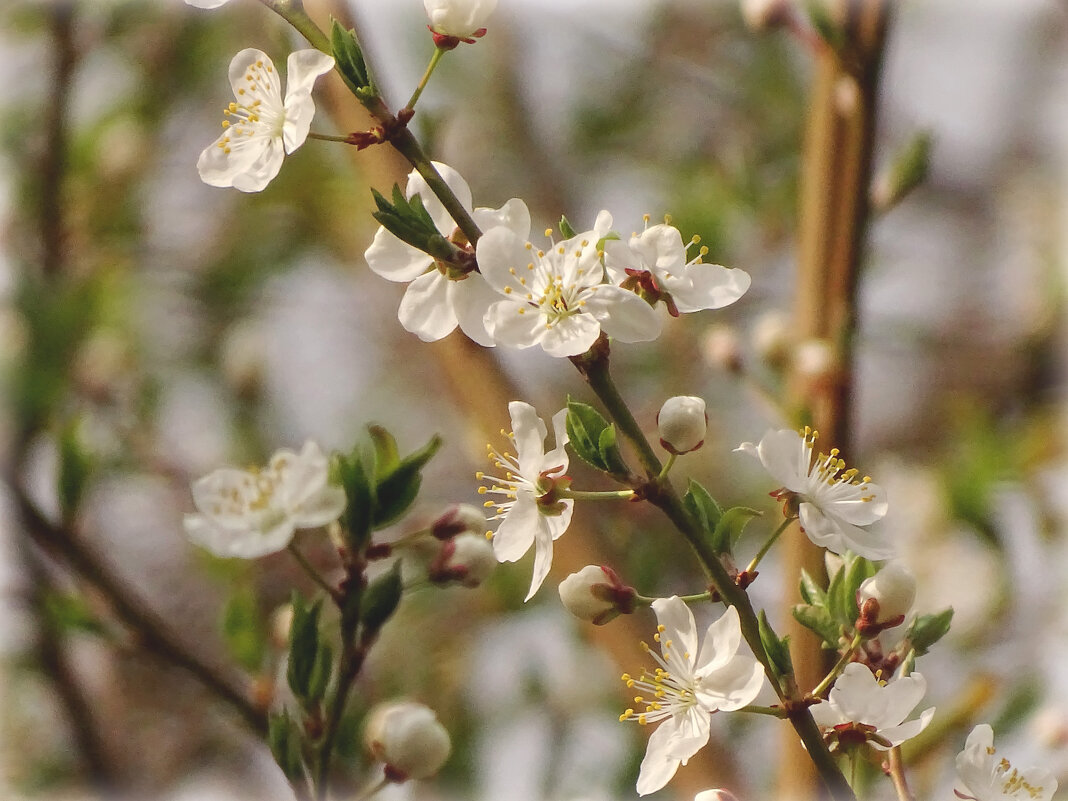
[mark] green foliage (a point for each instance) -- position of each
(730, 527)
(926, 630)
(566, 229)
(398, 484)
(593, 438)
(244, 631)
(68, 612)
(304, 647)
(382, 598)
(75, 470)
(350, 61)
(777, 649)
(833, 612)
(409, 221)
(283, 737)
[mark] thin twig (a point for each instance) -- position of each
(897, 775)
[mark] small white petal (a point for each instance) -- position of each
(425, 309)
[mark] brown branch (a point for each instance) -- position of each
(54, 159)
(153, 631)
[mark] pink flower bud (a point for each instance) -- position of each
(715, 795)
(408, 738)
(597, 594)
(457, 519)
(467, 559)
(682, 423)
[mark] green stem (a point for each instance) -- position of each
(311, 572)
(594, 367)
(667, 466)
(839, 666)
(292, 11)
(773, 711)
(327, 137)
(583, 495)
(767, 545)
(689, 599)
(434, 59)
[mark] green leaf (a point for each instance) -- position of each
(67, 612)
(811, 592)
(349, 58)
(303, 646)
(608, 448)
(818, 619)
(730, 527)
(387, 457)
(702, 507)
(283, 737)
(244, 631)
(584, 426)
(398, 489)
(75, 469)
(360, 497)
(382, 598)
(321, 673)
(566, 231)
(926, 630)
(778, 650)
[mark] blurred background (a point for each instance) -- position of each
(153, 328)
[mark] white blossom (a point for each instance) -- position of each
(532, 511)
(861, 708)
(893, 589)
(984, 776)
(438, 298)
(408, 739)
(834, 504)
(462, 19)
(251, 513)
(597, 594)
(557, 299)
(656, 262)
(681, 423)
(260, 128)
(693, 679)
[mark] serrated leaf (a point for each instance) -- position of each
(730, 527)
(398, 489)
(926, 630)
(811, 592)
(608, 448)
(244, 631)
(818, 619)
(584, 426)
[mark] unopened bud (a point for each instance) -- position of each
(408, 739)
(907, 171)
(771, 339)
(885, 598)
(596, 594)
(760, 15)
(458, 519)
(467, 559)
(459, 19)
(721, 348)
(715, 795)
(682, 423)
(281, 622)
(815, 361)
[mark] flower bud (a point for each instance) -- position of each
(458, 519)
(715, 795)
(772, 339)
(721, 348)
(597, 594)
(467, 559)
(762, 14)
(459, 19)
(682, 423)
(885, 598)
(408, 739)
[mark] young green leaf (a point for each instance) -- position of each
(818, 619)
(382, 598)
(397, 489)
(584, 426)
(926, 630)
(730, 527)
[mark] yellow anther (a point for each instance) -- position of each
(641, 719)
(704, 250)
(488, 504)
(646, 217)
(482, 490)
(695, 239)
(625, 677)
(667, 219)
(548, 231)
(657, 636)
(661, 628)
(489, 535)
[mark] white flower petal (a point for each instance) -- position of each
(623, 315)
(731, 686)
(721, 642)
(529, 434)
(709, 286)
(513, 215)
(303, 67)
(498, 251)
(513, 325)
(443, 221)
(425, 310)
(786, 458)
(556, 459)
(517, 530)
(679, 627)
(658, 766)
(543, 559)
(898, 734)
(395, 260)
(569, 336)
(470, 300)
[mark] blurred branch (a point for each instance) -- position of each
(836, 172)
(153, 632)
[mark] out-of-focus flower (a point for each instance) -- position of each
(984, 776)
(654, 263)
(771, 338)
(251, 513)
(762, 14)
(532, 511)
(861, 709)
(597, 594)
(715, 795)
(439, 297)
(556, 299)
(682, 423)
(460, 518)
(408, 739)
(832, 503)
(467, 559)
(207, 3)
(885, 598)
(693, 680)
(260, 127)
(459, 19)
(721, 348)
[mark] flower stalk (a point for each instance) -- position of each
(434, 59)
(821, 689)
(767, 545)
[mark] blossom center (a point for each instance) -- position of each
(248, 116)
(551, 283)
(827, 470)
(669, 694)
(545, 487)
